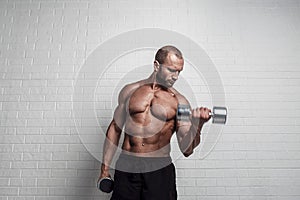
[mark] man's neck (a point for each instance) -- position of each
(155, 84)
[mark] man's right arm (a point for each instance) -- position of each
(111, 144)
(114, 130)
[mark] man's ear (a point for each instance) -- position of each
(156, 65)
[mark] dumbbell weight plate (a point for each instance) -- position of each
(105, 184)
(219, 115)
(183, 112)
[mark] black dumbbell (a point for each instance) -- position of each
(105, 184)
(219, 114)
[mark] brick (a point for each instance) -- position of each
(26, 148)
(50, 198)
(33, 191)
(32, 97)
(12, 139)
(52, 165)
(5, 148)
(206, 182)
(66, 139)
(10, 173)
(13, 122)
(38, 139)
(10, 156)
(41, 106)
(24, 165)
(30, 114)
(54, 147)
(36, 156)
(60, 97)
(37, 173)
(4, 182)
(8, 191)
(86, 156)
(40, 122)
(55, 131)
(8, 106)
(5, 164)
(20, 198)
(52, 182)
(194, 191)
(33, 83)
(216, 190)
(27, 131)
(80, 164)
(63, 173)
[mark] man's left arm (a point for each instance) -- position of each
(189, 131)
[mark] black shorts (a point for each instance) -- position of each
(134, 180)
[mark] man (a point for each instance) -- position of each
(147, 111)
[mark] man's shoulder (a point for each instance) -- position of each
(128, 89)
(132, 86)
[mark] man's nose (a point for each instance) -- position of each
(175, 76)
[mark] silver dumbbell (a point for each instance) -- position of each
(219, 114)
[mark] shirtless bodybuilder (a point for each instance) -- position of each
(147, 111)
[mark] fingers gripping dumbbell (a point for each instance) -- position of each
(105, 184)
(219, 114)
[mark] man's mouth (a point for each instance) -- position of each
(172, 82)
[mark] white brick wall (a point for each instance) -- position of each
(253, 44)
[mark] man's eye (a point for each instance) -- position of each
(172, 70)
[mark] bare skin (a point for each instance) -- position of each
(147, 110)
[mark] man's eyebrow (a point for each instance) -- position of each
(173, 70)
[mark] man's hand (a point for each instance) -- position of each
(200, 116)
(102, 175)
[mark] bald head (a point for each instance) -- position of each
(162, 53)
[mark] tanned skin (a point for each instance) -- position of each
(147, 111)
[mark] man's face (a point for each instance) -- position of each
(168, 72)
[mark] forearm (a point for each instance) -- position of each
(110, 146)
(108, 154)
(191, 139)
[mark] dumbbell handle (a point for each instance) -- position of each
(210, 113)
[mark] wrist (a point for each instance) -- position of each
(104, 168)
(197, 125)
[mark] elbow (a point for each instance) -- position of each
(186, 151)
(187, 154)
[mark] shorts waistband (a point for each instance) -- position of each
(136, 164)
(140, 158)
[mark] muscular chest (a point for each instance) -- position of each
(162, 104)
